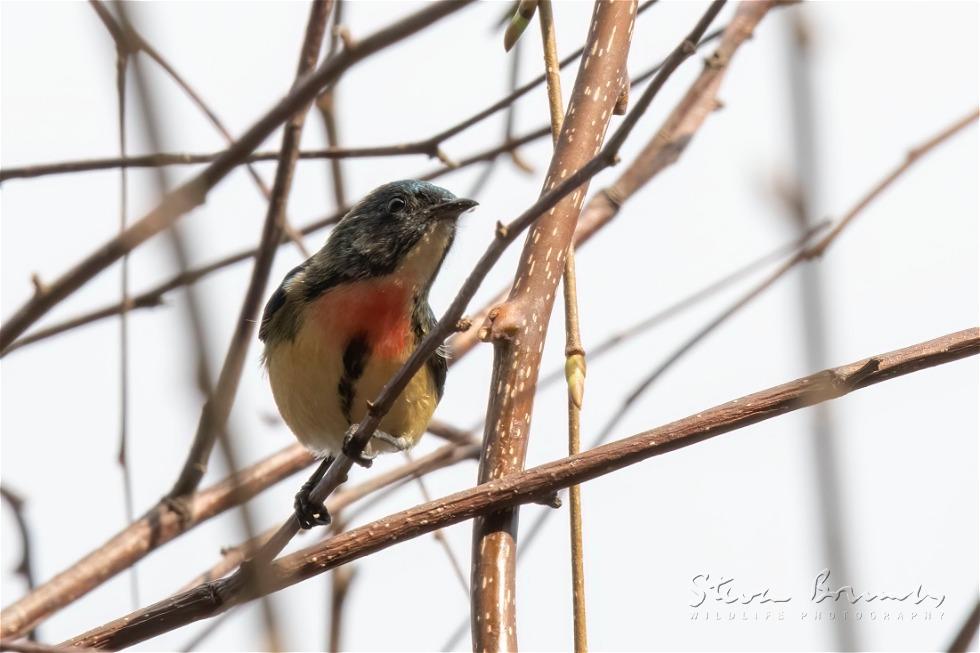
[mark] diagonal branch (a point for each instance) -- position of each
(429, 146)
(216, 410)
(129, 42)
(447, 324)
(192, 193)
(596, 215)
(533, 484)
(664, 149)
(518, 326)
(151, 531)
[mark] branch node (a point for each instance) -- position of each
(500, 325)
(443, 157)
(622, 102)
(550, 500)
(40, 288)
(463, 324)
(501, 230)
(716, 61)
(180, 506)
(520, 162)
(613, 196)
(850, 380)
(343, 33)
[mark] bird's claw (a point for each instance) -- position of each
(309, 513)
(398, 443)
(362, 458)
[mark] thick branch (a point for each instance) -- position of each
(660, 152)
(518, 326)
(531, 485)
(505, 234)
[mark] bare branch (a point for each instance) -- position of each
(130, 42)
(518, 326)
(193, 192)
(660, 152)
(533, 484)
(574, 353)
(153, 298)
(215, 413)
(25, 568)
(151, 531)
(967, 632)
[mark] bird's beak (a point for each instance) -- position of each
(452, 210)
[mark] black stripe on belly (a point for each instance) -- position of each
(355, 358)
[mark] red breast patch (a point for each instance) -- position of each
(379, 309)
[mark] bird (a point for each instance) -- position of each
(343, 322)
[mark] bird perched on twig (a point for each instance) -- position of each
(344, 321)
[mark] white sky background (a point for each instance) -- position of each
(888, 75)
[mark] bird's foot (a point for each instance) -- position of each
(399, 443)
(364, 458)
(309, 513)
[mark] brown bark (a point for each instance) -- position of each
(149, 532)
(518, 326)
(662, 151)
(531, 485)
(193, 193)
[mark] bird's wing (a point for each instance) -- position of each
(277, 301)
(424, 321)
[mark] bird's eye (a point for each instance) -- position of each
(395, 205)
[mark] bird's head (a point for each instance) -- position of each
(396, 237)
(401, 223)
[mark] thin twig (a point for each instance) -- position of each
(157, 527)
(967, 632)
(504, 235)
(828, 502)
(326, 104)
(517, 327)
(442, 457)
(440, 536)
(132, 42)
(621, 337)
(215, 413)
(340, 581)
(533, 484)
(192, 193)
(597, 214)
(25, 568)
(428, 146)
(803, 254)
(123, 51)
(575, 369)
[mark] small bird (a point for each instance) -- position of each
(343, 322)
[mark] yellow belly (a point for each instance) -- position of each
(306, 372)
